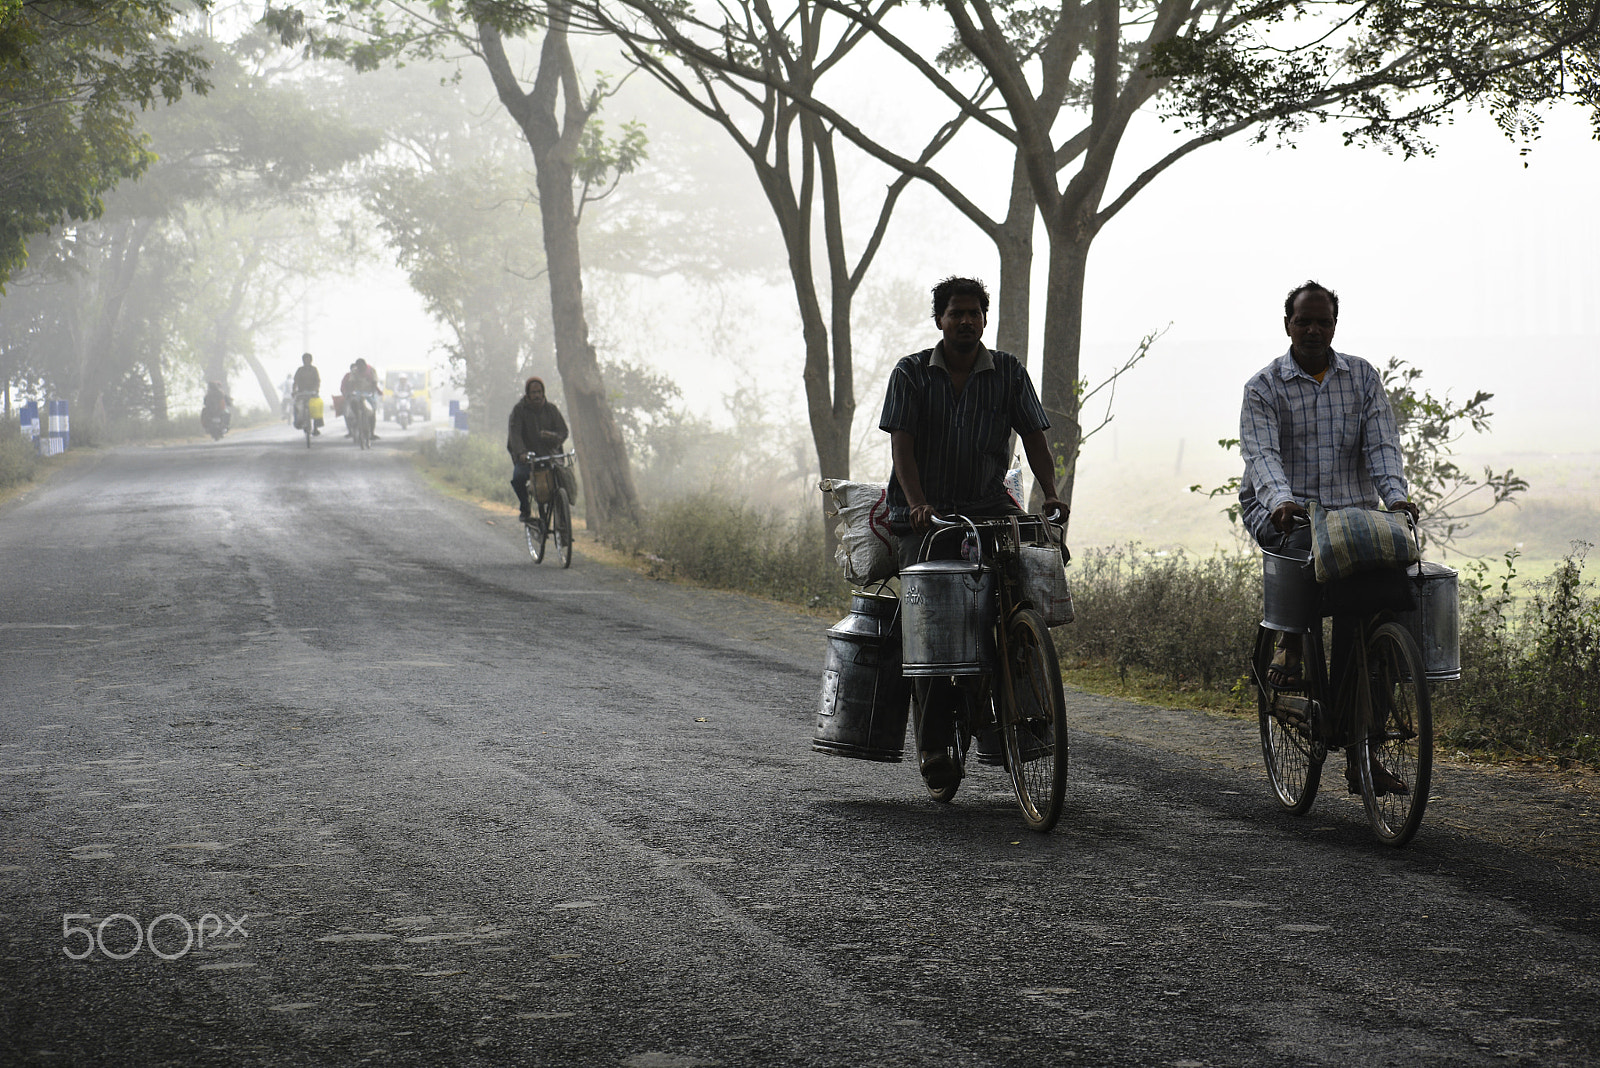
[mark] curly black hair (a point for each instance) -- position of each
(959, 287)
(1306, 287)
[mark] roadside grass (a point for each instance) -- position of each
(20, 462)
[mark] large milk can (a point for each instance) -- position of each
(865, 699)
(949, 609)
(1436, 621)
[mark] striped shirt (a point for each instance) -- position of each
(1332, 442)
(963, 443)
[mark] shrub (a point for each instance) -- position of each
(19, 460)
(722, 542)
(1530, 675)
(1192, 620)
(478, 464)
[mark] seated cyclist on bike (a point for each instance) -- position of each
(537, 427)
(950, 412)
(1316, 426)
(307, 383)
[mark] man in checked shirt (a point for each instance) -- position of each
(1316, 426)
(950, 412)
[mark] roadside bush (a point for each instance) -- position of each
(19, 460)
(722, 542)
(1190, 619)
(1530, 673)
(478, 464)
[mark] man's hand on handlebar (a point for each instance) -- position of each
(1409, 509)
(1054, 509)
(1287, 514)
(922, 516)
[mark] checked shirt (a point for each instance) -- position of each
(1332, 442)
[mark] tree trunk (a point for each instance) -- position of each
(1063, 335)
(268, 390)
(1014, 242)
(610, 496)
(98, 355)
(158, 390)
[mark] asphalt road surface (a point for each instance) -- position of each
(301, 763)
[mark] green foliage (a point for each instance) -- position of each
(1192, 619)
(74, 75)
(1388, 70)
(19, 460)
(476, 464)
(1530, 671)
(1429, 429)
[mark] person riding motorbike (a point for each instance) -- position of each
(402, 401)
(216, 411)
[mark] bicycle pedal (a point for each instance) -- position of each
(1293, 709)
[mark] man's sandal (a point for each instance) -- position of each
(1284, 675)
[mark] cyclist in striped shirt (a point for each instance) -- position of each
(950, 412)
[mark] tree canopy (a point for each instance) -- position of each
(74, 75)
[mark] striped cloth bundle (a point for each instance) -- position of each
(1348, 541)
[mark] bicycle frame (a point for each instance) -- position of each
(1027, 705)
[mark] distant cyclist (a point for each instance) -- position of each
(307, 383)
(537, 427)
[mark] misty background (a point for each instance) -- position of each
(1478, 265)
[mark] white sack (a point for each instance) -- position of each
(866, 549)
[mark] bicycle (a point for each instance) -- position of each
(979, 622)
(302, 409)
(555, 509)
(363, 416)
(1379, 713)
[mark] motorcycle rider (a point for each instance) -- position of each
(402, 395)
(216, 408)
(308, 383)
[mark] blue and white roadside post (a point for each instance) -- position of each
(60, 434)
(30, 422)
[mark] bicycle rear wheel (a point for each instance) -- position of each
(1400, 737)
(561, 527)
(1034, 725)
(1293, 757)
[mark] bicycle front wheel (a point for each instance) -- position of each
(561, 527)
(1293, 757)
(536, 531)
(1400, 736)
(1033, 726)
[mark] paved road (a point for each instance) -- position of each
(427, 803)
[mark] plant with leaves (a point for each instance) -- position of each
(74, 76)
(188, 263)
